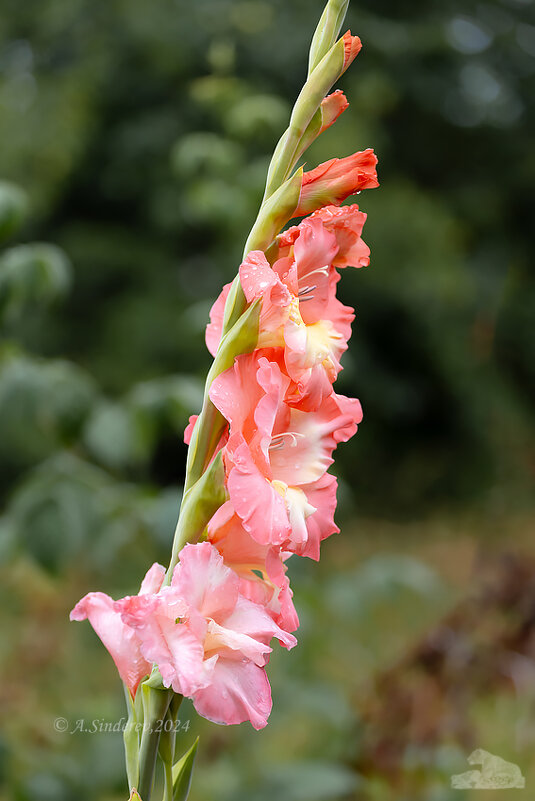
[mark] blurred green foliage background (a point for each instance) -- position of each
(135, 142)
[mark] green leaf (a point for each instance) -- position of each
(275, 212)
(43, 406)
(13, 206)
(120, 435)
(182, 773)
(31, 275)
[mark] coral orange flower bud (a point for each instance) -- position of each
(333, 181)
(352, 47)
(331, 108)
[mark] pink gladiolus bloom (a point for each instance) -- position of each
(120, 639)
(333, 181)
(306, 319)
(277, 454)
(260, 567)
(346, 224)
(210, 642)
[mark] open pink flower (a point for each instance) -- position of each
(346, 224)
(277, 454)
(120, 639)
(300, 312)
(210, 642)
(261, 568)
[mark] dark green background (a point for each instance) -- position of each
(139, 133)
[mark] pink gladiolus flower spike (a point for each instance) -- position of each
(120, 639)
(210, 642)
(277, 454)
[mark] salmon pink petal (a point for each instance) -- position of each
(256, 276)
(314, 251)
(215, 326)
(331, 107)
(121, 641)
(302, 453)
(256, 500)
(188, 431)
(224, 641)
(238, 691)
(261, 570)
(310, 389)
(320, 525)
(252, 620)
(352, 47)
(174, 647)
(346, 223)
(204, 582)
(258, 280)
(249, 396)
(153, 579)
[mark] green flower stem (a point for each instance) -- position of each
(155, 705)
(319, 82)
(275, 213)
(204, 489)
(241, 338)
(199, 504)
(131, 742)
(168, 786)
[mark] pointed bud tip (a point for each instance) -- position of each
(331, 107)
(352, 47)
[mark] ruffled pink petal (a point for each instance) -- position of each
(331, 107)
(260, 568)
(258, 504)
(302, 452)
(188, 431)
(172, 645)
(204, 582)
(256, 276)
(224, 641)
(352, 47)
(252, 620)
(238, 691)
(215, 326)
(320, 525)
(249, 395)
(346, 223)
(153, 579)
(311, 389)
(121, 641)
